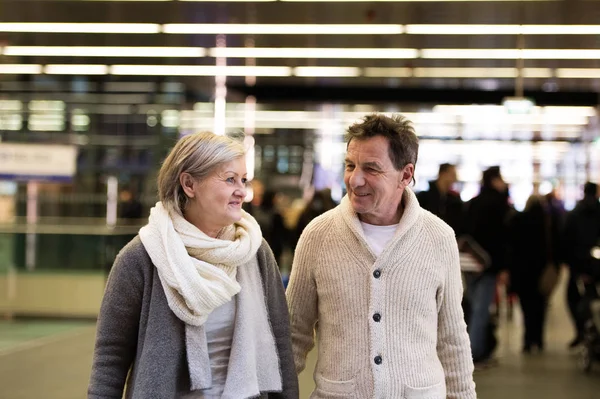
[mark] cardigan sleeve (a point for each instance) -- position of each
(280, 324)
(454, 349)
(302, 299)
(117, 329)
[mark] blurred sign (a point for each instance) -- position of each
(37, 162)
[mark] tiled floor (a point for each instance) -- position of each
(52, 361)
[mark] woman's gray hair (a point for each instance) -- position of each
(197, 154)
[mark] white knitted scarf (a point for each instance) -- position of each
(197, 272)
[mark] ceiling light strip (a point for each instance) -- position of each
(283, 71)
(347, 53)
(332, 29)
(480, 29)
(327, 71)
(198, 70)
(103, 51)
(20, 69)
(284, 29)
(578, 73)
(74, 69)
(60, 27)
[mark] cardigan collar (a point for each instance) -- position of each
(412, 212)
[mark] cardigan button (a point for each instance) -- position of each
(377, 317)
(378, 360)
(377, 273)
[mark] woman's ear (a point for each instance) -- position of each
(188, 183)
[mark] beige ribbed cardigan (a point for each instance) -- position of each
(420, 341)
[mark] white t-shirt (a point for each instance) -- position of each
(378, 237)
(219, 335)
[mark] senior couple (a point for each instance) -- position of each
(194, 305)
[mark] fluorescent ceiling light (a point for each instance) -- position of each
(18, 69)
(463, 29)
(388, 72)
(502, 54)
(537, 72)
(327, 71)
(493, 54)
(199, 70)
(475, 73)
(480, 29)
(482, 73)
(69, 69)
(59, 27)
(300, 52)
(103, 51)
(560, 54)
(284, 29)
(578, 73)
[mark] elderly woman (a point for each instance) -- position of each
(194, 306)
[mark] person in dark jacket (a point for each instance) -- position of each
(530, 250)
(582, 231)
(320, 203)
(486, 223)
(194, 305)
(271, 224)
(441, 200)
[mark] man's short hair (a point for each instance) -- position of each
(590, 189)
(445, 167)
(490, 174)
(398, 130)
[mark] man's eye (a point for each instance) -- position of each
(349, 167)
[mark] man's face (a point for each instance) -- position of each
(449, 177)
(374, 186)
(499, 184)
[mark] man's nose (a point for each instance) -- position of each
(357, 178)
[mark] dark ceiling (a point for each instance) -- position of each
(547, 88)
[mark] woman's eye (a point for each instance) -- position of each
(230, 180)
(244, 181)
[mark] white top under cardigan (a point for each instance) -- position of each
(378, 237)
(219, 336)
(389, 326)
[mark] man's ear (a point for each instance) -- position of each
(188, 183)
(406, 175)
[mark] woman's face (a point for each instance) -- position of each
(216, 201)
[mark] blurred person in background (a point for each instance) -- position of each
(271, 224)
(379, 280)
(320, 203)
(441, 200)
(258, 190)
(530, 253)
(194, 306)
(486, 224)
(582, 232)
(130, 208)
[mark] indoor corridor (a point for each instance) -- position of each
(51, 360)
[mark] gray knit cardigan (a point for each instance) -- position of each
(139, 338)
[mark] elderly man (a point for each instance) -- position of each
(378, 278)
